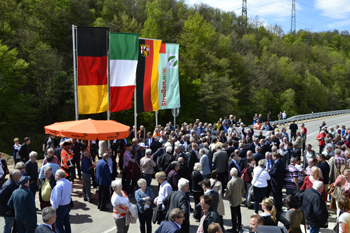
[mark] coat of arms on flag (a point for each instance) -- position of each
(145, 49)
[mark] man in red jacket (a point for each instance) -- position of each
(320, 138)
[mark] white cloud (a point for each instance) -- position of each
(339, 9)
(339, 24)
(275, 8)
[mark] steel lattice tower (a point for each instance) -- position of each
(293, 19)
(244, 13)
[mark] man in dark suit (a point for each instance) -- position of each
(264, 147)
(178, 199)
(220, 160)
(242, 151)
(210, 192)
(49, 218)
(174, 225)
(149, 140)
(277, 180)
(268, 165)
(314, 207)
(255, 144)
(193, 157)
(103, 179)
(257, 155)
(244, 161)
(25, 150)
(230, 149)
(5, 193)
(211, 215)
(165, 160)
(184, 171)
(234, 163)
(155, 144)
(59, 150)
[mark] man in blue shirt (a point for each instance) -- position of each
(103, 180)
(60, 199)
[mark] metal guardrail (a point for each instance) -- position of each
(301, 118)
(311, 116)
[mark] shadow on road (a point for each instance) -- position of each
(80, 218)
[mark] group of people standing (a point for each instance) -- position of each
(197, 158)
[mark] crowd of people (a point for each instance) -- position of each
(208, 161)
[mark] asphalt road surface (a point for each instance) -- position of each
(85, 217)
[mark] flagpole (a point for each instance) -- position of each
(156, 115)
(135, 115)
(108, 78)
(108, 83)
(75, 74)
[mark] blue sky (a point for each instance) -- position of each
(314, 15)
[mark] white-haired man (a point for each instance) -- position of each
(60, 199)
(147, 166)
(314, 207)
(32, 170)
(234, 193)
(178, 199)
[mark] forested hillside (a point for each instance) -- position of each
(225, 68)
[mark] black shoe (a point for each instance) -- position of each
(91, 200)
(104, 209)
(85, 199)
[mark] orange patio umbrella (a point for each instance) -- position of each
(89, 129)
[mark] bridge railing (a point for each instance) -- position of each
(311, 116)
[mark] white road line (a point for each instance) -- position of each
(110, 230)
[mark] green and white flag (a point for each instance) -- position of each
(168, 70)
(123, 63)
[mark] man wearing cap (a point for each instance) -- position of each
(60, 199)
(67, 159)
(23, 203)
(140, 153)
(5, 193)
(25, 150)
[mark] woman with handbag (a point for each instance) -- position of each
(271, 216)
(341, 184)
(120, 203)
(294, 215)
(344, 218)
(144, 197)
(259, 183)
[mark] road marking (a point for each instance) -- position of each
(328, 128)
(110, 230)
